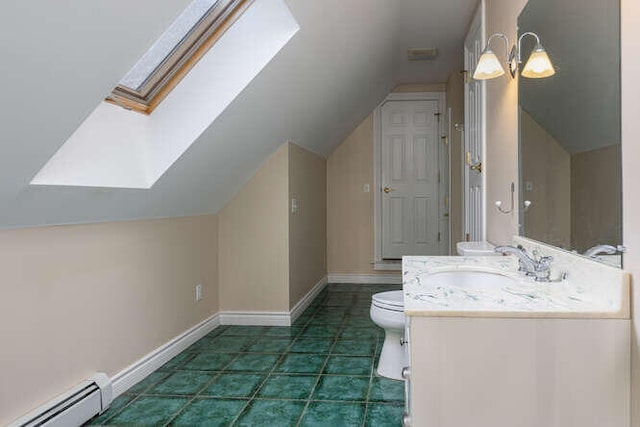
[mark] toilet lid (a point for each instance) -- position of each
(391, 300)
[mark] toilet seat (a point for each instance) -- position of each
(391, 300)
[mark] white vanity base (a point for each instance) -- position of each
(491, 372)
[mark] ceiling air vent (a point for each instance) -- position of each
(422, 54)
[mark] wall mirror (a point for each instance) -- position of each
(569, 127)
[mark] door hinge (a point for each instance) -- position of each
(438, 116)
(445, 139)
(439, 177)
(446, 201)
(467, 158)
(439, 239)
(467, 237)
(465, 76)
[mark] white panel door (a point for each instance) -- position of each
(474, 136)
(410, 179)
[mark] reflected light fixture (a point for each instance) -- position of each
(537, 66)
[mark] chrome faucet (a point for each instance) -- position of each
(538, 267)
(603, 249)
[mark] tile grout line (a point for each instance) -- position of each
(326, 361)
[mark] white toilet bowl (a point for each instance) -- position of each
(387, 311)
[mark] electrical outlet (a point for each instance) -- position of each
(198, 292)
(366, 188)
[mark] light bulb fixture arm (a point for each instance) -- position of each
(503, 37)
(519, 48)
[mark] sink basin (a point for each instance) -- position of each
(470, 279)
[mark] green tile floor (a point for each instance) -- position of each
(318, 372)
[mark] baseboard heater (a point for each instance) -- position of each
(73, 408)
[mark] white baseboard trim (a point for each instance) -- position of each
(367, 279)
(304, 302)
(137, 371)
(272, 318)
(255, 318)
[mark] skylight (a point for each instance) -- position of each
(114, 147)
(171, 57)
(169, 41)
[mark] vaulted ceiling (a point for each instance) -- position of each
(61, 58)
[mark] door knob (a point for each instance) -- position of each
(387, 190)
(476, 167)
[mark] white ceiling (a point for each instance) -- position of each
(65, 56)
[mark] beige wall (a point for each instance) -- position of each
(502, 128)
(547, 167)
(455, 101)
(308, 227)
(86, 298)
(349, 209)
(254, 241)
(595, 199)
(630, 14)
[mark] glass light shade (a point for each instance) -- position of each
(488, 67)
(539, 65)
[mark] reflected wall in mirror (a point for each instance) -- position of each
(570, 164)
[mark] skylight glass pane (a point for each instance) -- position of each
(166, 43)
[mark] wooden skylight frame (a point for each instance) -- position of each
(182, 58)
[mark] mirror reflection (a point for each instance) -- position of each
(570, 165)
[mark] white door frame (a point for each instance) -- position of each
(479, 20)
(378, 262)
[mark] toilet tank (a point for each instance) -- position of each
(475, 249)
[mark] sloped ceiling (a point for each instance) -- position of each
(61, 58)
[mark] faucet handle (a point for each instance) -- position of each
(545, 261)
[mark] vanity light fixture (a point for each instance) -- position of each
(489, 66)
(537, 66)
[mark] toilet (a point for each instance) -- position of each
(387, 311)
(482, 248)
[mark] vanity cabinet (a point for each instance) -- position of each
(525, 372)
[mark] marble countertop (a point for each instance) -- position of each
(592, 293)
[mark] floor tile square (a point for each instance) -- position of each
(272, 413)
(335, 387)
(228, 344)
(209, 361)
(209, 412)
(384, 415)
(149, 411)
(288, 386)
(359, 321)
(182, 382)
(321, 331)
(386, 390)
(312, 345)
(151, 380)
(354, 348)
(253, 362)
(319, 414)
(177, 361)
(251, 331)
(269, 345)
(349, 365)
(234, 385)
(283, 331)
(354, 333)
(301, 363)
